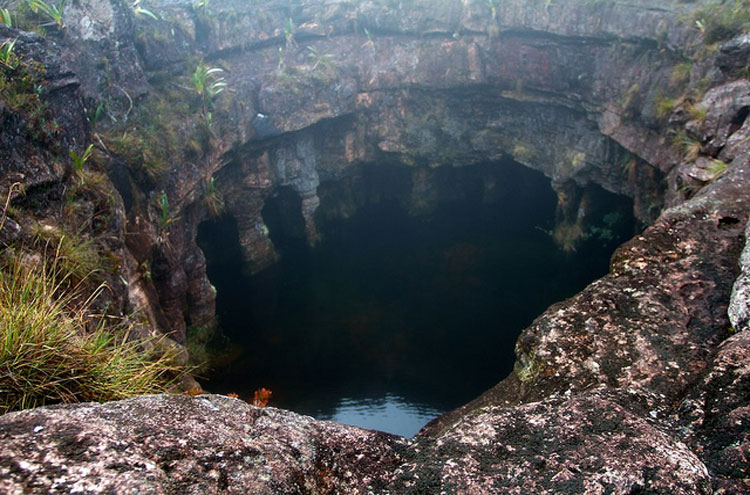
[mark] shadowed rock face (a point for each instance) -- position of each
(423, 84)
(639, 384)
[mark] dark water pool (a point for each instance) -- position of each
(394, 319)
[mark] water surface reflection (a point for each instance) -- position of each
(392, 414)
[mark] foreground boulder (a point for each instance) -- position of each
(591, 443)
(180, 444)
(215, 444)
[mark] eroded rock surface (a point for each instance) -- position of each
(180, 444)
(563, 445)
(669, 416)
(639, 384)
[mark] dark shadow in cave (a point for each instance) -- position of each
(394, 314)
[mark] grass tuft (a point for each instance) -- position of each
(723, 19)
(690, 146)
(664, 108)
(76, 257)
(48, 356)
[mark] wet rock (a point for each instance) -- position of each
(426, 85)
(102, 33)
(33, 131)
(734, 55)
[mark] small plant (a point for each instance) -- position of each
(53, 12)
(7, 56)
(80, 161)
(200, 4)
(664, 108)
(699, 113)
(212, 197)
(5, 17)
(261, 397)
(680, 74)
(629, 166)
(16, 186)
(690, 146)
(320, 59)
(140, 11)
(281, 65)
(289, 29)
(165, 219)
(208, 84)
(370, 43)
(716, 168)
(76, 257)
(96, 115)
(631, 100)
(204, 83)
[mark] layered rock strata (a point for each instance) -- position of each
(639, 384)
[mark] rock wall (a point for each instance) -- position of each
(636, 385)
(315, 90)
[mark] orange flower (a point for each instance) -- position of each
(261, 397)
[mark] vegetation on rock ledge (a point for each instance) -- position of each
(49, 352)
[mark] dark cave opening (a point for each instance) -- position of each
(412, 303)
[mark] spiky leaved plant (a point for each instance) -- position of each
(208, 84)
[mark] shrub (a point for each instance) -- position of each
(48, 355)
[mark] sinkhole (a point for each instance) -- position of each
(412, 302)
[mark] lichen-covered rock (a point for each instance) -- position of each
(214, 444)
(589, 443)
(716, 416)
(180, 444)
(739, 304)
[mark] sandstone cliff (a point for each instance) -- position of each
(636, 385)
